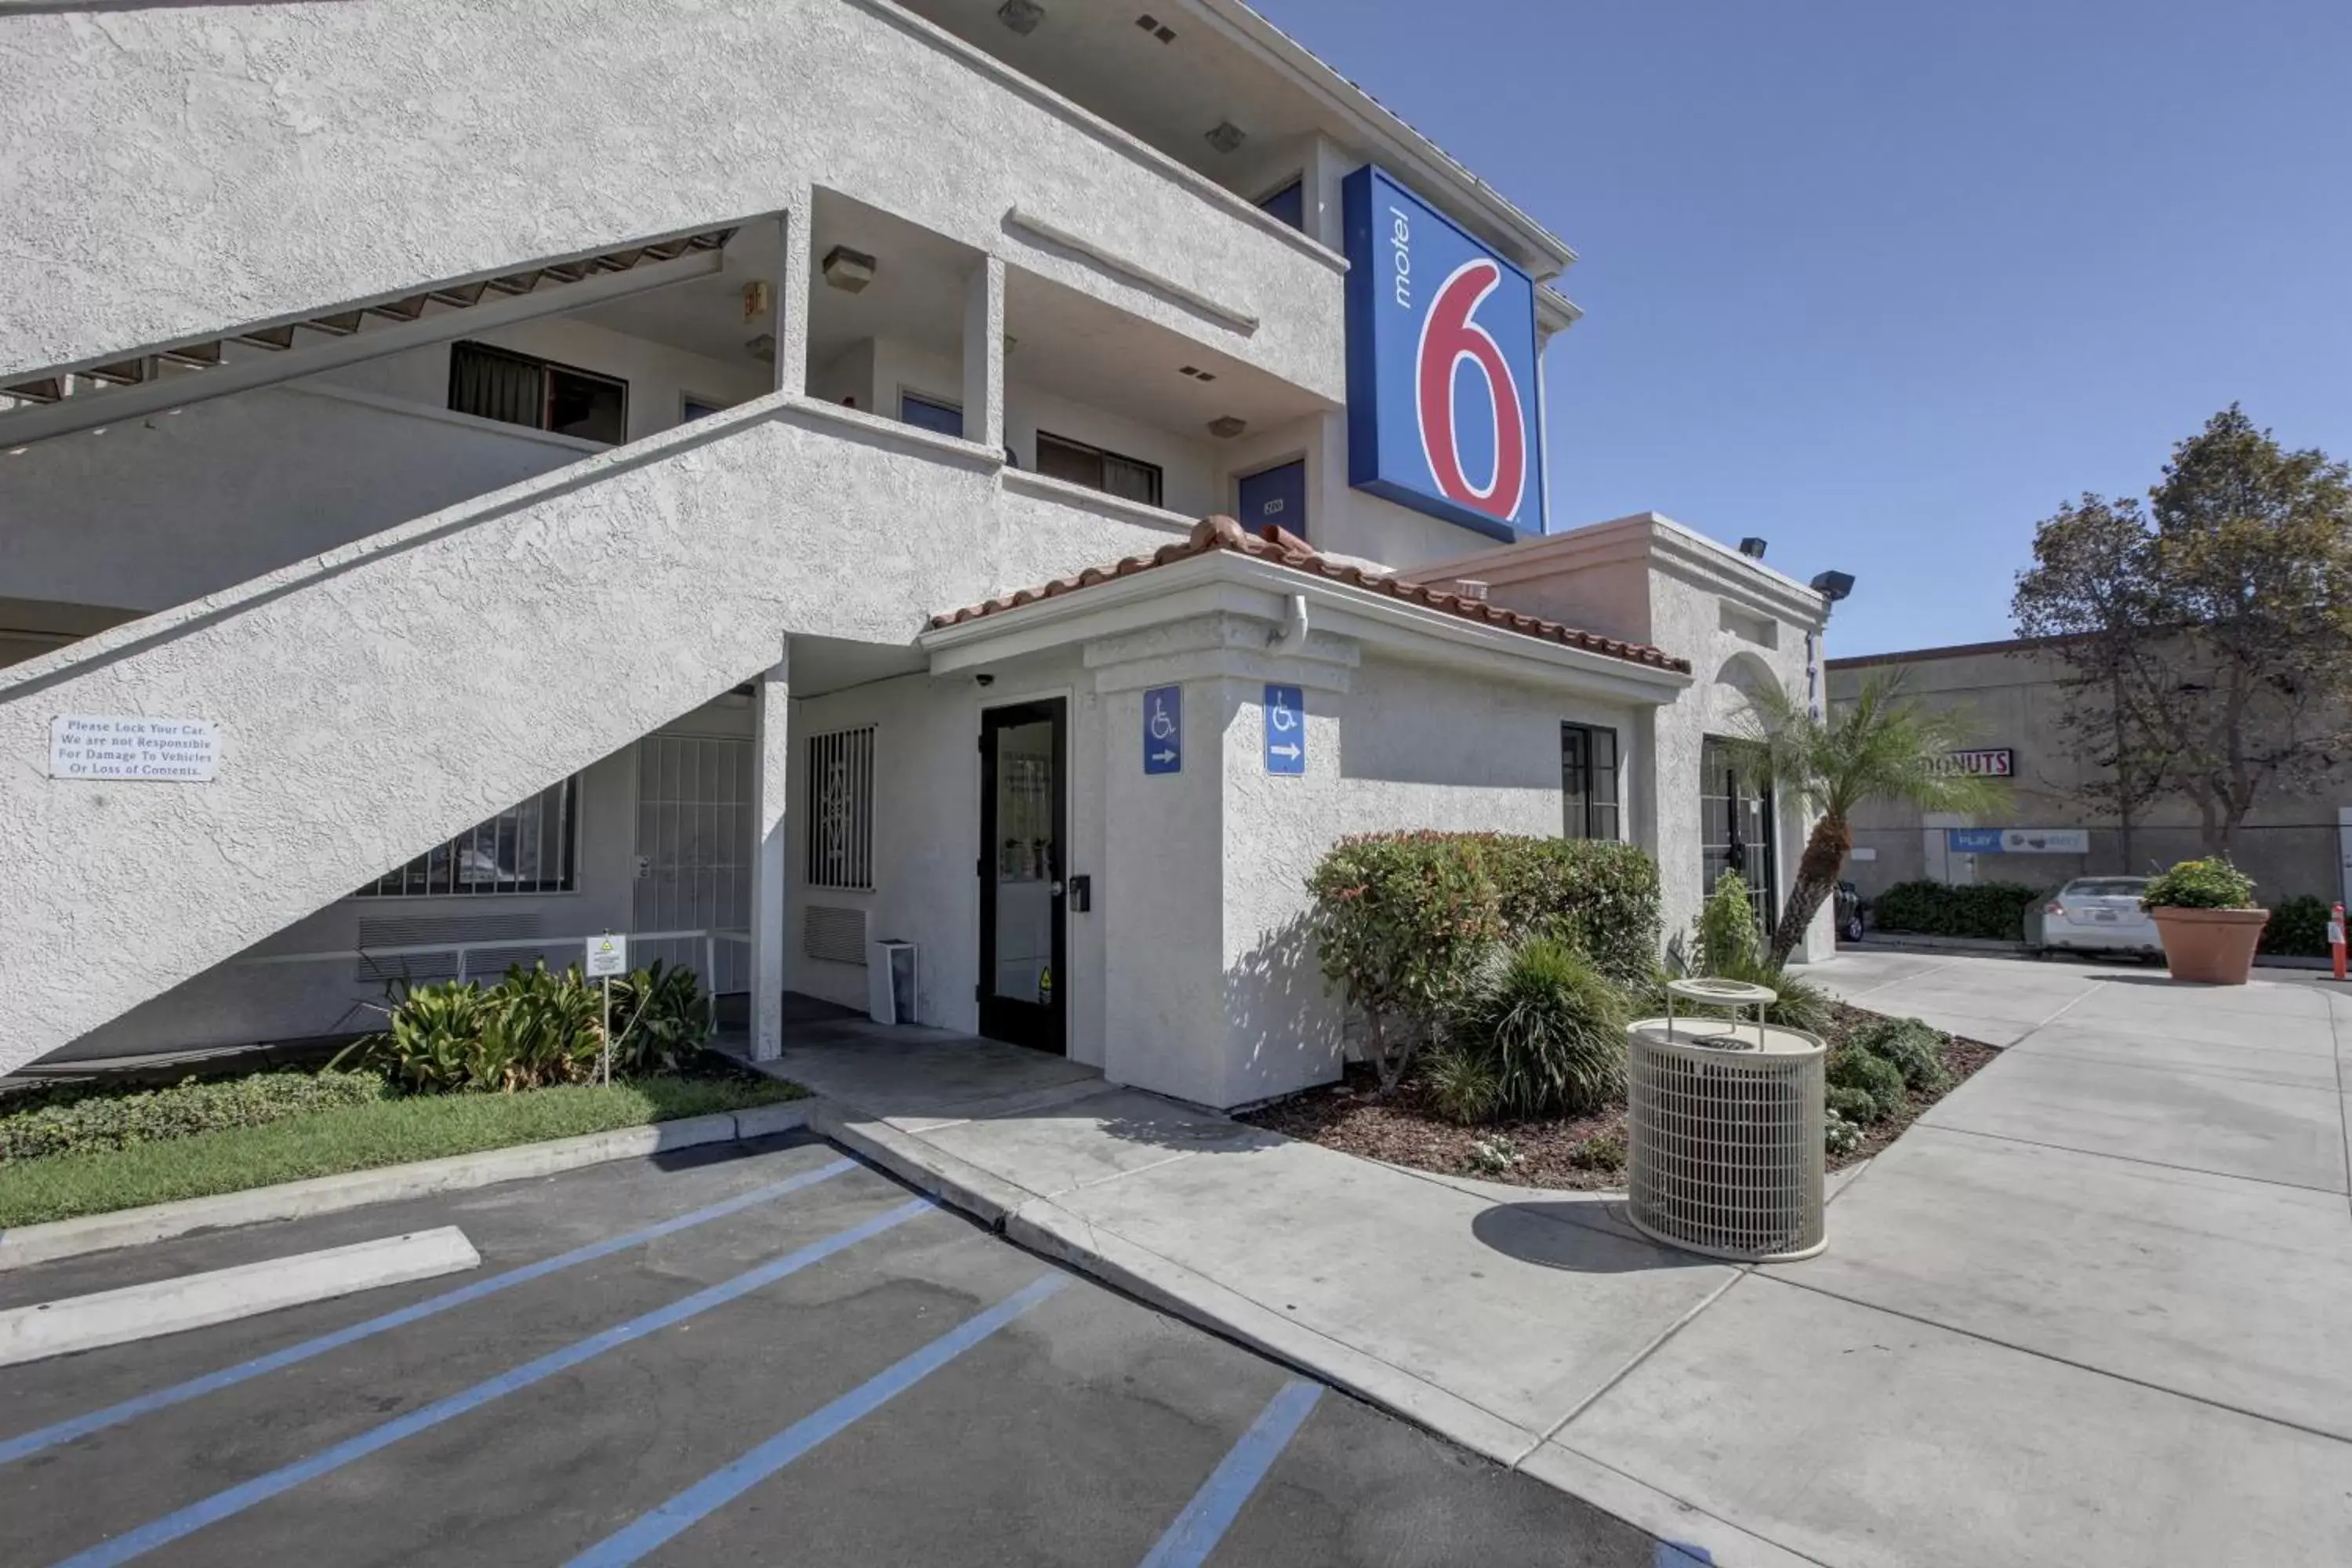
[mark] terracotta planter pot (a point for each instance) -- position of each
(2212, 947)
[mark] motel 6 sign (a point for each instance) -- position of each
(1442, 412)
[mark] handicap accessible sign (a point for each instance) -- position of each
(1163, 730)
(1285, 730)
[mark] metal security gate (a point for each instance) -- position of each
(695, 858)
(1735, 822)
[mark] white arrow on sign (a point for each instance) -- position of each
(1284, 750)
(1163, 756)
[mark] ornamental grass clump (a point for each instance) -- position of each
(1540, 1032)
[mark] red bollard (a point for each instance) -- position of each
(2336, 939)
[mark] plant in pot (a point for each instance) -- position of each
(2205, 915)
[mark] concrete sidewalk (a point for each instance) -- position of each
(2097, 1306)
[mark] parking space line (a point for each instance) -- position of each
(721, 1486)
(237, 1498)
(1219, 1502)
(14, 1449)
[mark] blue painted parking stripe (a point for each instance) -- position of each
(1219, 1502)
(722, 1487)
(14, 1449)
(237, 1498)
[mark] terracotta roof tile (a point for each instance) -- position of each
(1287, 549)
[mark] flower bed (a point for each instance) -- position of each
(1568, 1152)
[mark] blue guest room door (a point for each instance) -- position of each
(1276, 496)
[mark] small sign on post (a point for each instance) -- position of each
(607, 955)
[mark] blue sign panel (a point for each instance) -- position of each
(1285, 730)
(1972, 840)
(1442, 393)
(1163, 730)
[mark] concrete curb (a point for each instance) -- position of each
(33, 1244)
(987, 1199)
(221, 1295)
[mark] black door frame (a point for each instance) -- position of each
(1044, 1025)
(1758, 859)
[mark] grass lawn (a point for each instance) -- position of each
(353, 1138)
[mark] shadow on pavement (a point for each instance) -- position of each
(1566, 1236)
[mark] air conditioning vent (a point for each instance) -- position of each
(1724, 1121)
(835, 935)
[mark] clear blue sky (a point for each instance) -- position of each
(1886, 282)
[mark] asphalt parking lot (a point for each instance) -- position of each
(763, 1354)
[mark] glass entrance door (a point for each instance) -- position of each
(1023, 920)
(1735, 822)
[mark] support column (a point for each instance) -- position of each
(983, 354)
(770, 822)
(793, 297)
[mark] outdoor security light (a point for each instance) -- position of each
(1020, 15)
(1226, 136)
(1225, 427)
(1833, 585)
(848, 270)
(1752, 547)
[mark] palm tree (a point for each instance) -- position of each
(1878, 747)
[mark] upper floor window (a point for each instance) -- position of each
(519, 389)
(1288, 204)
(1588, 777)
(526, 848)
(931, 414)
(1062, 458)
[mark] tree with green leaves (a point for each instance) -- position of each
(1879, 746)
(2208, 638)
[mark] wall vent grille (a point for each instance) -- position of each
(836, 935)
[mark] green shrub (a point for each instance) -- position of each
(1402, 919)
(1601, 1152)
(1547, 1024)
(79, 1120)
(1599, 896)
(2298, 928)
(1726, 934)
(1465, 1086)
(1494, 1155)
(1995, 910)
(1873, 1076)
(2209, 884)
(536, 1028)
(1854, 1104)
(1913, 1049)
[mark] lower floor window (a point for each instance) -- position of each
(1588, 774)
(527, 849)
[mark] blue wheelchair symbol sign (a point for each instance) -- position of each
(1163, 730)
(1285, 730)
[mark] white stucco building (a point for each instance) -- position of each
(548, 479)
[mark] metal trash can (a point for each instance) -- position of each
(1724, 1126)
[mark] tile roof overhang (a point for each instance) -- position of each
(1278, 547)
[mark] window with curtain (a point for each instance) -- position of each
(519, 389)
(1098, 470)
(1588, 774)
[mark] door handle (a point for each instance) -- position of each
(1058, 889)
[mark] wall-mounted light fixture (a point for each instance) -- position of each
(1020, 15)
(848, 270)
(1752, 547)
(1833, 585)
(1225, 427)
(1226, 136)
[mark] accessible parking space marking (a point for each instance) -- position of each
(1219, 1502)
(235, 1500)
(49, 1437)
(706, 1497)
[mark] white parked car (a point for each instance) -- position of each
(2099, 914)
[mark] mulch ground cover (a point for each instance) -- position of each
(1406, 1130)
